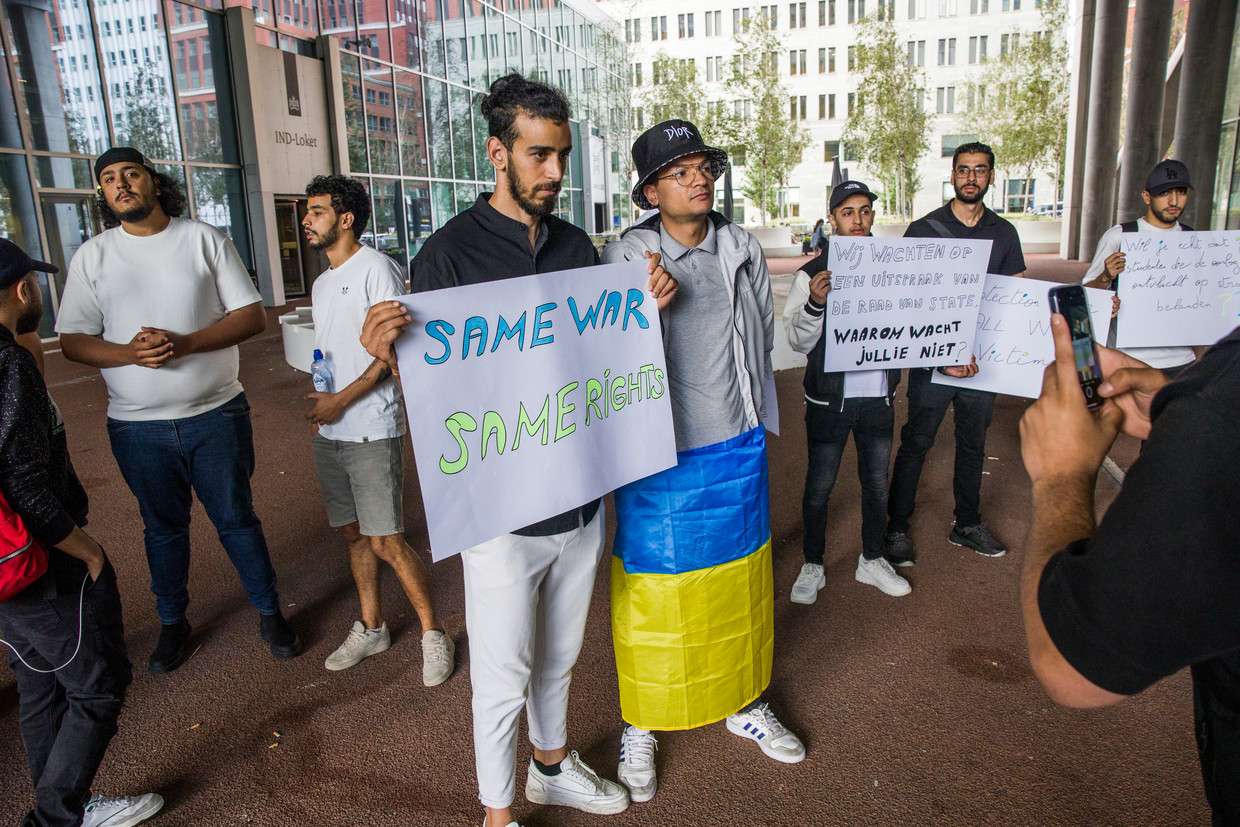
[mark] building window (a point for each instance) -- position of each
(637, 74)
(1018, 200)
(947, 8)
(852, 51)
(950, 142)
(822, 107)
(945, 98)
(831, 59)
(831, 107)
(916, 9)
(822, 61)
(852, 97)
(979, 6)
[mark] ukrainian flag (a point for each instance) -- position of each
(692, 608)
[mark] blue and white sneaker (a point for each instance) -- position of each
(758, 723)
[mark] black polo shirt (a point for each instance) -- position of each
(1006, 258)
(482, 244)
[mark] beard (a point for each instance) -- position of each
(322, 242)
(972, 199)
(136, 213)
(28, 321)
(1165, 216)
(537, 209)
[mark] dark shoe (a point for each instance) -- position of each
(172, 648)
(274, 629)
(977, 538)
(899, 549)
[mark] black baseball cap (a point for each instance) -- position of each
(847, 189)
(15, 264)
(1167, 175)
(665, 142)
(120, 154)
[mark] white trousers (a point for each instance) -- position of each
(526, 600)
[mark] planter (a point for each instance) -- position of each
(1039, 236)
(776, 241)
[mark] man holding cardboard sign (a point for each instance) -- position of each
(965, 216)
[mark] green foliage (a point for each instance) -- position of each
(1019, 104)
(146, 122)
(888, 124)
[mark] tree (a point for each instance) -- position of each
(1019, 103)
(888, 122)
(771, 141)
(147, 119)
(675, 91)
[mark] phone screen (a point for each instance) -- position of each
(1071, 302)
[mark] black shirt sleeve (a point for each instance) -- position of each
(920, 229)
(430, 270)
(1013, 261)
(1157, 588)
(25, 449)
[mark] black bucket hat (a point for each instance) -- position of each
(663, 143)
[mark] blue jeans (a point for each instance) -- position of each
(927, 405)
(212, 454)
(871, 421)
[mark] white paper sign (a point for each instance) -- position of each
(1178, 288)
(1014, 344)
(531, 396)
(903, 302)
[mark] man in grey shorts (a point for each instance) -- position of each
(357, 444)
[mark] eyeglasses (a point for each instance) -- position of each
(980, 171)
(685, 176)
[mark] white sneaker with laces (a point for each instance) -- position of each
(809, 582)
(121, 812)
(576, 786)
(438, 657)
(879, 574)
(760, 724)
(359, 645)
(636, 771)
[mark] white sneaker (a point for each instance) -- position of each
(438, 657)
(760, 724)
(879, 573)
(359, 645)
(121, 812)
(636, 769)
(576, 786)
(809, 582)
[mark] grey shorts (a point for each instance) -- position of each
(362, 482)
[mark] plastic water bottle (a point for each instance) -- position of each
(321, 373)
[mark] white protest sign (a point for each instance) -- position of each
(1014, 344)
(903, 302)
(1178, 288)
(528, 397)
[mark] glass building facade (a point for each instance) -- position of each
(81, 75)
(1227, 183)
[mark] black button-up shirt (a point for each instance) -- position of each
(482, 244)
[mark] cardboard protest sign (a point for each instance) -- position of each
(1014, 344)
(528, 397)
(1178, 288)
(903, 302)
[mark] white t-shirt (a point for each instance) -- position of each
(341, 297)
(860, 383)
(183, 279)
(1155, 357)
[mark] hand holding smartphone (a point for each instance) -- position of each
(1069, 301)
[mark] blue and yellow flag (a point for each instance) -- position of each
(692, 611)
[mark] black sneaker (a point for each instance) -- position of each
(172, 648)
(274, 629)
(899, 549)
(977, 538)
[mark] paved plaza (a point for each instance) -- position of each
(915, 711)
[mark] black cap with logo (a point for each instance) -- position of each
(847, 189)
(1167, 176)
(15, 264)
(663, 143)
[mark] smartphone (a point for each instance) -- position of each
(1069, 300)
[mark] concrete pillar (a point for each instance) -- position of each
(1078, 120)
(1147, 76)
(1207, 50)
(1102, 134)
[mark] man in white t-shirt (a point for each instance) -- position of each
(160, 303)
(359, 424)
(1166, 190)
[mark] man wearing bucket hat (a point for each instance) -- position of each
(63, 630)
(691, 586)
(159, 303)
(1166, 190)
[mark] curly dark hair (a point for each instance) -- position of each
(171, 200)
(516, 93)
(347, 194)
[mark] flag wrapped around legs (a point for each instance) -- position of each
(692, 610)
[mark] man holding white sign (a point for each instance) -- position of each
(838, 403)
(965, 216)
(1166, 190)
(526, 593)
(691, 584)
